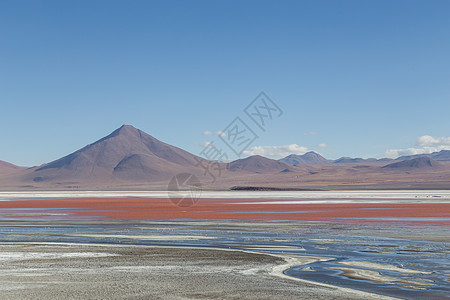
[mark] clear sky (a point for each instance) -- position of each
(353, 78)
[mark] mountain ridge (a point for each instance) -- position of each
(310, 157)
(6, 167)
(415, 163)
(443, 155)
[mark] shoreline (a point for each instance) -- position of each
(280, 270)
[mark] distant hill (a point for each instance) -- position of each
(415, 163)
(257, 164)
(6, 167)
(385, 159)
(305, 159)
(349, 160)
(443, 155)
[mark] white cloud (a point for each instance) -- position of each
(322, 145)
(276, 151)
(429, 141)
(424, 145)
(206, 144)
(207, 132)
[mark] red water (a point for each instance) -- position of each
(231, 209)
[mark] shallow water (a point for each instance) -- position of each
(409, 243)
(340, 242)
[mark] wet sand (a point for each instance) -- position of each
(80, 271)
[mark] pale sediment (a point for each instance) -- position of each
(371, 265)
(82, 271)
(376, 276)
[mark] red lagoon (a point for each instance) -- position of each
(227, 209)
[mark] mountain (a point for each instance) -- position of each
(307, 158)
(443, 155)
(6, 167)
(258, 164)
(126, 154)
(415, 163)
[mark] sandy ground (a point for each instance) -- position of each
(77, 271)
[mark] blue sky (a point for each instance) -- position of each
(367, 78)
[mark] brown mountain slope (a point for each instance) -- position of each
(307, 158)
(6, 167)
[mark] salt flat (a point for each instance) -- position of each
(354, 194)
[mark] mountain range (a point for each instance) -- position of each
(443, 155)
(129, 158)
